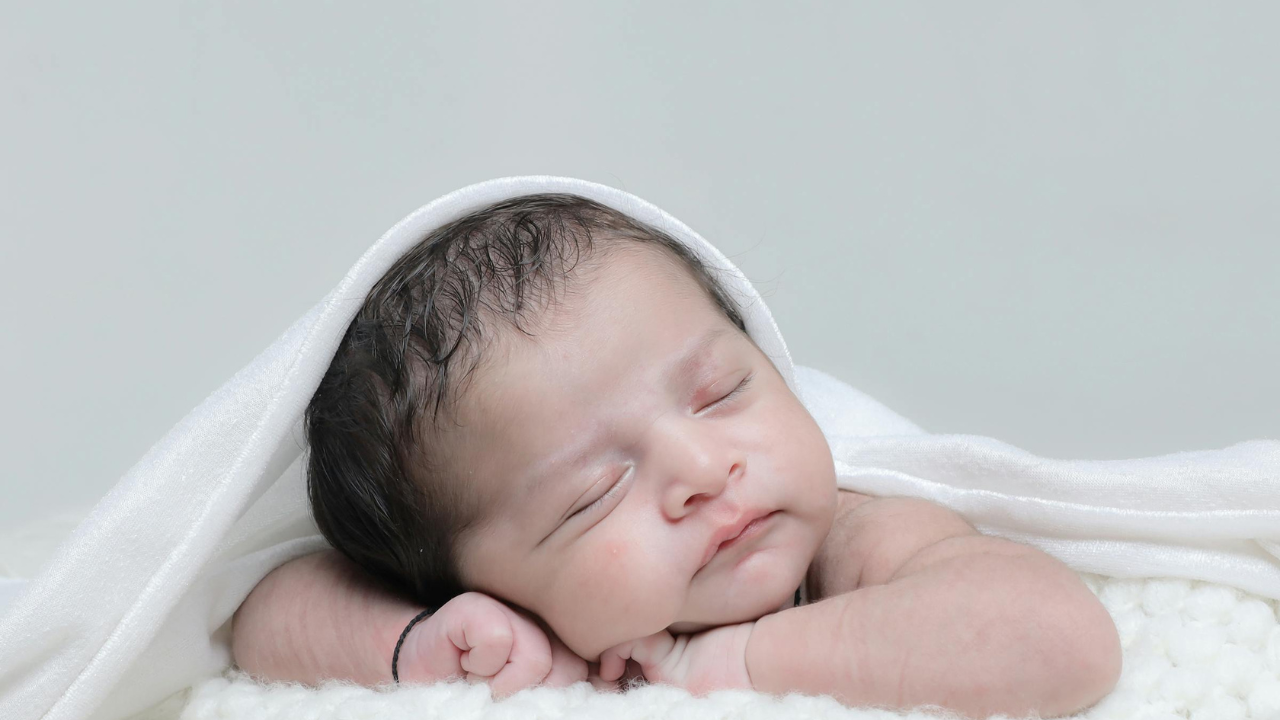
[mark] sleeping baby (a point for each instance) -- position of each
(547, 451)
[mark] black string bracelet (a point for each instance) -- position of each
(395, 656)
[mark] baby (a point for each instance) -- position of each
(548, 423)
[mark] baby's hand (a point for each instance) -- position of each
(481, 638)
(714, 659)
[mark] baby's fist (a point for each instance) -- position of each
(482, 639)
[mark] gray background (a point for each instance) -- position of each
(1056, 226)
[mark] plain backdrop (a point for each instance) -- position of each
(1054, 225)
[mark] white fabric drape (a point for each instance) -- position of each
(136, 604)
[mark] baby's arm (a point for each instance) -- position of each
(932, 612)
(315, 618)
(320, 617)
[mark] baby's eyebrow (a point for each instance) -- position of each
(679, 373)
(682, 370)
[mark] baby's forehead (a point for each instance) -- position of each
(615, 322)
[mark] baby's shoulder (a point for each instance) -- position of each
(872, 538)
(849, 500)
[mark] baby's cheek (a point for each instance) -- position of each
(631, 581)
(613, 549)
(598, 579)
(611, 567)
(593, 597)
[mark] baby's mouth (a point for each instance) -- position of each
(752, 530)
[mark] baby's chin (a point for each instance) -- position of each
(767, 607)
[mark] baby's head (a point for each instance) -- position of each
(554, 404)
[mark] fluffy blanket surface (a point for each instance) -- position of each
(1191, 650)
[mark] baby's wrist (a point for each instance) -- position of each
(372, 617)
(389, 626)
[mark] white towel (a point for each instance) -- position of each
(136, 604)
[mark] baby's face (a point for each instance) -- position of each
(616, 464)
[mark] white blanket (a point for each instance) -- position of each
(136, 604)
(1191, 649)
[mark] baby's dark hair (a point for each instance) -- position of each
(380, 485)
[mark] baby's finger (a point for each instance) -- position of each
(486, 644)
(597, 682)
(530, 659)
(601, 684)
(648, 653)
(613, 662)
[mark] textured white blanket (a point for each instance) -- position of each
(1191, 650)
(136, 605)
